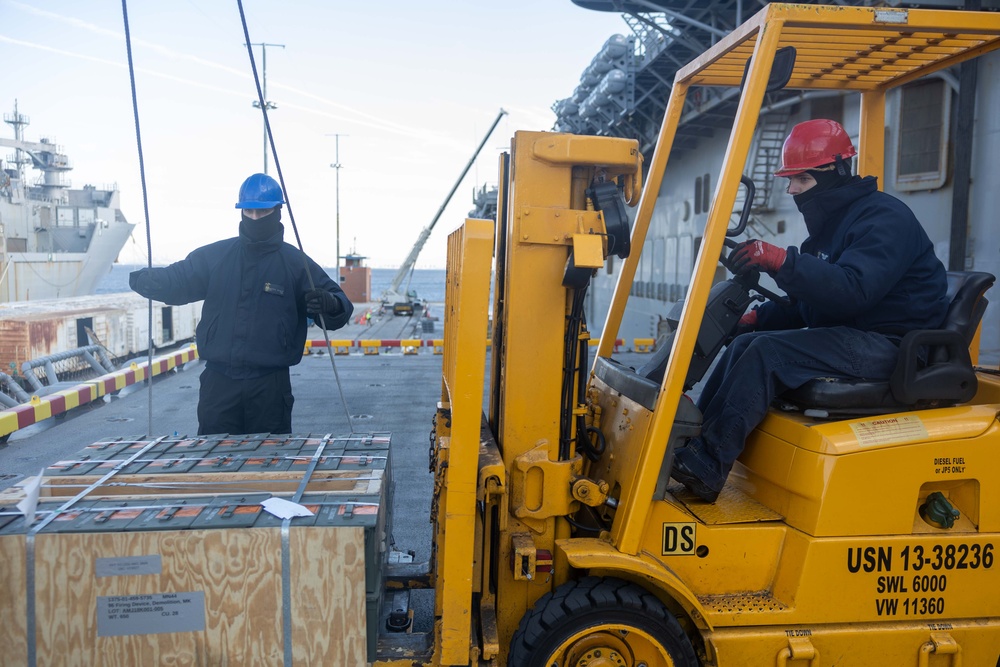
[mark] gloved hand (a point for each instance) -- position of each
(320, 301)
(747, 323)
(143, 282)
(756, 255)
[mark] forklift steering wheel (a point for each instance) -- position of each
(751, 279)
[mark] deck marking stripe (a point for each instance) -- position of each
(13, 419)
(25, 415)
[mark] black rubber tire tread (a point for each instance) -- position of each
(592, 601)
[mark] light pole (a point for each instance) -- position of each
(336, 165)
(267, 103)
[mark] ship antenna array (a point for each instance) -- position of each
(18, 121)
(263, 102)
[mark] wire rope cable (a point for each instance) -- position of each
(145, 207)
(288, 199)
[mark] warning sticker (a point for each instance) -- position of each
(150, 614)
(889, 430)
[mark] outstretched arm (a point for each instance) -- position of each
(181, 282)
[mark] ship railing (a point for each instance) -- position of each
(11, 393)
(101, 363)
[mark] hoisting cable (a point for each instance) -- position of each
(291, 216)
(145, 209)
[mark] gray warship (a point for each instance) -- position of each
(55, 241)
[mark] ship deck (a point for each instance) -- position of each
(389, 391)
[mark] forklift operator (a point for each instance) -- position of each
(865, 276)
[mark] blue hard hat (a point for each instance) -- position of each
(260, 191)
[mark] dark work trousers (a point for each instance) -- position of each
(758, 366)
(257, 405)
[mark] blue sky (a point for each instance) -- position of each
(411, 86)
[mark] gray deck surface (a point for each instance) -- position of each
(388, 392)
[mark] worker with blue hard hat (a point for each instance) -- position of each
(258, 292)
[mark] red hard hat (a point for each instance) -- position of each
(812, 144)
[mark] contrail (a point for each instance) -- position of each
(113, 63)
(363, 118)
(366, 121)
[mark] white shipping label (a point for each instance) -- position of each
(150, 614)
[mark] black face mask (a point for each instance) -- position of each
(825, 180)
(261, 229)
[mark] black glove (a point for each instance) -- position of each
(143, 282)
(320, 301)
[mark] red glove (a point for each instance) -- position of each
(747, 323)
(756, 255)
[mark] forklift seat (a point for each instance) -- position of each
(934, 367)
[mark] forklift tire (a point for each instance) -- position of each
(600, 621)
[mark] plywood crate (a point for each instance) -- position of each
(185, 568)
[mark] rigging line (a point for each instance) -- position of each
(145, 205)
(291, 215)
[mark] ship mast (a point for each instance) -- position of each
(268, 104)
(18, 121)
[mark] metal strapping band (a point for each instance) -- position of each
(237, 483)
(232, 456)
(286, 553)
(122, 508)
(30, 545)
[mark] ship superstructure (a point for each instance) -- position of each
(55, 241)
(941, 140)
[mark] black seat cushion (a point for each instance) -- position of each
(934, 367)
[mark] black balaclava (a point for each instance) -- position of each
(827, 177)
(263, 228)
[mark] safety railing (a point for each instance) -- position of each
(38, 408)
(88, 353)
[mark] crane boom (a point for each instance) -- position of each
(393, 295)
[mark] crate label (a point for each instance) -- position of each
(128, 565)
(159, 613)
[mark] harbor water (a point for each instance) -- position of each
(428, 283)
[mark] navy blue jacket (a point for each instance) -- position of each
(867, 264)
(253, 320)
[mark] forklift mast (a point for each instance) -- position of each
(523, 453)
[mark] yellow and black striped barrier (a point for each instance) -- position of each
(45, 407)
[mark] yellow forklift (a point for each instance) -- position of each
(559, 539)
